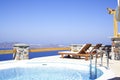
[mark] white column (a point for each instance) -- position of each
(118, 11)
(118, 3)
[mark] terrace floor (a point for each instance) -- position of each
(114, 65)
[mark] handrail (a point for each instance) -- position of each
(101, 58)
(107, 59)
(90, 66)
(94, 75)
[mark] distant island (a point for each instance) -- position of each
(9, 45)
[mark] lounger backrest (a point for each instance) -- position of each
(84, 48)
(97, 46)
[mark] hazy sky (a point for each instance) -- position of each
(56, 21)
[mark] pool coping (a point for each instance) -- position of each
(108, 73)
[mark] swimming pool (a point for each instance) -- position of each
(45, 71)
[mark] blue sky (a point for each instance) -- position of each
(56, 21)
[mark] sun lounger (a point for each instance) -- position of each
(95, 49)
(83, 51)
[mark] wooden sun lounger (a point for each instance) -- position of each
(83, 52)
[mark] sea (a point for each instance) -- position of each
(4, 57)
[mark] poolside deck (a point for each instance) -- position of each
(114, 65)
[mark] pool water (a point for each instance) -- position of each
(41, 74)
(41, 71)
